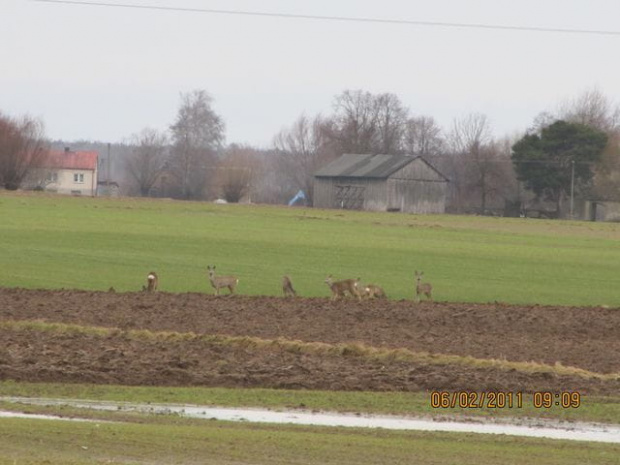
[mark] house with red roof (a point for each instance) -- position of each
(74, 173)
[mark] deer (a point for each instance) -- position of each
(423, 288)
(287, 287)
(219, 282)
(152, 281)
(341, 288)
(372, 291)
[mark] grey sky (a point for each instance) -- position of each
(103, 73)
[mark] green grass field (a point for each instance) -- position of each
(167, 441)
(592, 409)
(84, 243)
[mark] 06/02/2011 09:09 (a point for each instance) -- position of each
(503, 399)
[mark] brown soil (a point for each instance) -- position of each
(587, 338)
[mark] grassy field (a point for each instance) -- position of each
(592, 408)
(172, 440)
(84, 243)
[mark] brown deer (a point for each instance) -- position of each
(341, 288)
(219, 282)
(152, 281)
(287, 287)
(423, 288)
(372, 291)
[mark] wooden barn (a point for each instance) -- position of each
(396, 183)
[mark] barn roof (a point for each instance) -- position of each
(378, 166)
(72, 160)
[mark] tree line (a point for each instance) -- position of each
(572, 149)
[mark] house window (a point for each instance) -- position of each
(78, 178)
(52, 177)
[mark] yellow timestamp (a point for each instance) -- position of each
(549, 399)
(503, 399)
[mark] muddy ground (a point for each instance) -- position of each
(587, 338)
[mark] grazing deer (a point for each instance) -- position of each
(372, 291)
(152, 281)
(219, 282)
(423, 288)
(287, 287)
(341, 288)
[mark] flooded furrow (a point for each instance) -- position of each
(527, 428)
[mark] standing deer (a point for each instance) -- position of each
(152, 281)
(423, 288)
(219, 282)
(372, 291)
(341, 288)
(287, 287)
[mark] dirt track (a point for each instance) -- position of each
(587, 338)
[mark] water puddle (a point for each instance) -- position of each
(35, 416)
(528, 428)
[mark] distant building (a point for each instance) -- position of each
(598, 210)
(68, 172)
(396, 183)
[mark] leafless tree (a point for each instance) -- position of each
(236, 172)
(481, 166)
(147, 159)
(367, 123)
(301, 150)
(355, 121)
(423, 137)
(391, 124)
(490, 174)
(23, 148)
(591, 108)
(466, 139)
(197, 134)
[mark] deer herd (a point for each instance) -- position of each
(342, 288)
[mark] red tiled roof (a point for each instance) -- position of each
(72, 160)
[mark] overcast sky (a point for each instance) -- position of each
(103, 73)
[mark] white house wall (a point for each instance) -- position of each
(67, 185)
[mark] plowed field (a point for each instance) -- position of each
(587, 338)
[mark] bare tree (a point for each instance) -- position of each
(423, 137)
(591, 108)
(481, 165)
(355, 122)
(196, 135)
(391, 124)
(23, 148)
(236, 172)
(146, 161)
(302, 149)
(367, 123)
(490, 174)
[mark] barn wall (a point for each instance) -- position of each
(417, 196)
(417, 188)
(418, 170)
(374, 195)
